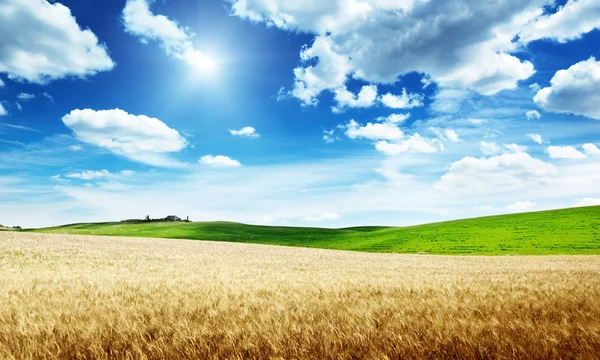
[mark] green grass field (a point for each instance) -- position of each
(567, 231)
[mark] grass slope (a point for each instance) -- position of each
(566, 231)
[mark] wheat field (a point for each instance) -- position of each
(86, 297)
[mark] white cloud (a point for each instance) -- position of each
(378, 41)
(50, 45)
(175, 40)
(90, 175)
(328, 139)
(414, 144)
(492, 149)
(18, 106)
(57, 178)
(489, 148)
(17, 127)
(533, 114)
(374, 131)
(591, 149)
(587, 202)
(537, 138)
(328, 136)
(48, 96)
(394, 118)
(218, 161)
(520, 206)
(506, 172)
(571, 21)
(328, 74)
(94, 175)
(3, 110)
(403, 101)
(247, 131)
(1, 83)
(25, 96)
(76, 148)
(515, 148)
(575, 90)
(564, 152)
(136, 137)
(446, 135)
(451, 135)
(365, 98)
(321, 217)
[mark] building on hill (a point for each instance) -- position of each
(172, 218)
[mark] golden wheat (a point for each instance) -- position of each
(72, 297)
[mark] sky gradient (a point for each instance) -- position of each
(332, 113)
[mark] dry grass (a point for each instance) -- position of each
(73, 297)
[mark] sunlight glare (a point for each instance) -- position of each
(200, 61)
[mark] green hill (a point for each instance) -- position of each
(566, 231)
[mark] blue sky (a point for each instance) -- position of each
(339, 113)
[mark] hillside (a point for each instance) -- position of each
(566, 231)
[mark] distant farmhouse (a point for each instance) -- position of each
(170, 218)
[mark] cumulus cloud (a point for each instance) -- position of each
(394, 118)
(496, 174)
(247, 131)
(458, 44)
(533, 114)
(76, 148)
(25, 96)
(321, 217)
(575, 90)
(3, 110)
(591, 149)
(587, 202)
(174, 39)
(402, 101)
(520, 206)
(50, 44)
(413, 144)
(136, 137)
(489, 148)
(374, 131)
(328, 74)
(365, 98)
(219, 161)
(564, 152)
(571, 21)
(537, 138)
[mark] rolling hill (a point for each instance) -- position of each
(565, 231)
